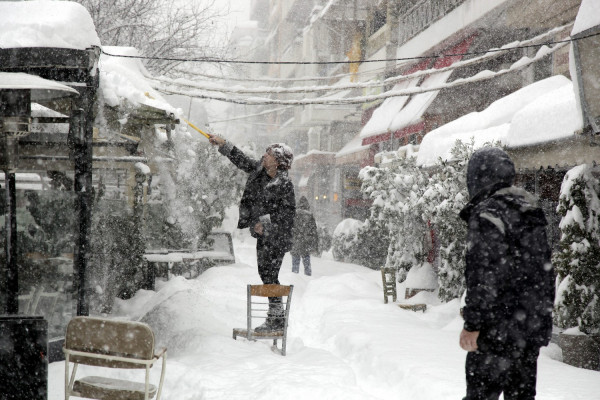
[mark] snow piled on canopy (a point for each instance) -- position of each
(122, 78)
(541, 112)
(587, 17)
(61, 24)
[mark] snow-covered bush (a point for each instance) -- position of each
(446, 195)
(577, 260)
(195, 194)
(412, 202)
(371, 244)
(325, 239)
(395, 192)
(345, 237)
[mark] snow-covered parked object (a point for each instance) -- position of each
(60, 24)
(420, 278)
(344, 237)
(577, 302)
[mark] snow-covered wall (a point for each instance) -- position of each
(61, 24)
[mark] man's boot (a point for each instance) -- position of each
(275, 319)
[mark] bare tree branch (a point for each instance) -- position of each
(161, 28)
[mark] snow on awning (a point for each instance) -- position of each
(587, 17)
(538, 113)
(385, 113)
(60, 24)
(396, 113)
(41, 89)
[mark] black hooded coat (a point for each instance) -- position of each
(306, 239)
(510, 280)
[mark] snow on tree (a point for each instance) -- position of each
(413, 202)
(159, 28)
(577, 260)
(395, 192)
(345, 238)
(196, 192)
(445, 196)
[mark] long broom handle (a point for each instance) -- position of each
(197, 129)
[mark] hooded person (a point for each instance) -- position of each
(509, 278)
(305, 235)
(267, 209)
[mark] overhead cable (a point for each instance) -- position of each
(232, 61)
(340, 76)
(359, 85)
(481, 76)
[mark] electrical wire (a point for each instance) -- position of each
(359, 85)
(414, 58)
(483, 75)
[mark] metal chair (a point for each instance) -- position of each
(257, 307)
(111, 344)
(388, 276)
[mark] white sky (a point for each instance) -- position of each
(239, 12)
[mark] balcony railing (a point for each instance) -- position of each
(422, 15)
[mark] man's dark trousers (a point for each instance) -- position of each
(269, 259)
(489, 374)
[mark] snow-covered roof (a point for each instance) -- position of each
(353, 146)
(41, 89)
(385, 113)
(311, 152)
(61, 24)
(587, 17)
(541, 112)
(123, 79)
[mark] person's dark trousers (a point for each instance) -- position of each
(305, 261)
(488, 375)
(269, 259)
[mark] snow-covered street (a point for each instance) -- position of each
(344, 342)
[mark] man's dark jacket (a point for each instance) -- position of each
(265, 199)
(510, 280)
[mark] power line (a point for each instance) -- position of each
(280, 80)
(483, 75)
(274, 110)
(231, 61)
(360, 85)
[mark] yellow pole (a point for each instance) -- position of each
(197, 129)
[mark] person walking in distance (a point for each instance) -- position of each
(267, 208)
(510, 282)
(305, 236)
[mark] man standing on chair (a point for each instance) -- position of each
(267, 208)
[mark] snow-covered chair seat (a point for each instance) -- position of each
(110, 343)
(257, 306)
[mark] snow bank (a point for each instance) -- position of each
(61, 24)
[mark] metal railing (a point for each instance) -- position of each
(422, 15)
